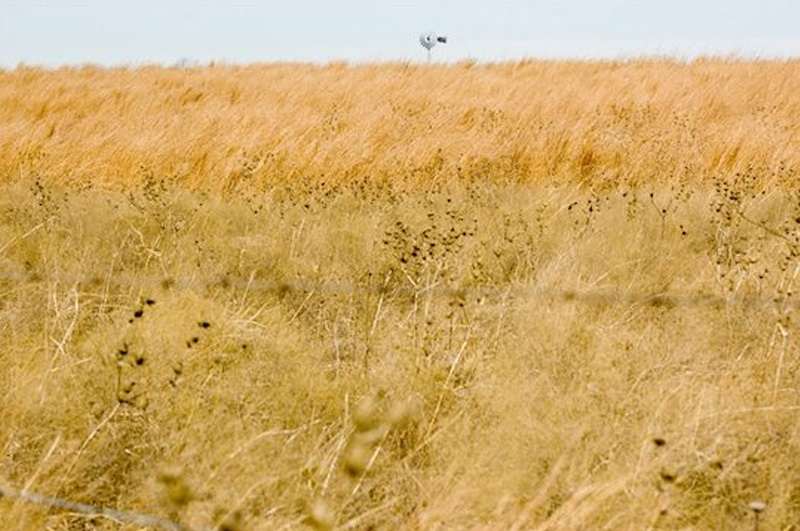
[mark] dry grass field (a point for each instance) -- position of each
(537, 295)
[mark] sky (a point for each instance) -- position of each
(127, 32)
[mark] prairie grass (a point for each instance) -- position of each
(516, 296)
(217, 127)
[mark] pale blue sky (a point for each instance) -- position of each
(138, 32)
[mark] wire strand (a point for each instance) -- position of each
(124, 517)
(598, 297)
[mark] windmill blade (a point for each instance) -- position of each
(428, 40)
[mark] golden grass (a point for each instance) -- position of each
(529, 121)
(552, 296)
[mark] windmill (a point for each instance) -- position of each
(429, 39)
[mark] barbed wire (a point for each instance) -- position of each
(593, 296)
(123, 517)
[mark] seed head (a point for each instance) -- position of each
(356, 459)
(365, 416)
(668, 477)
(232, 522)
(178, 492)
(321, 516)
(757, 506)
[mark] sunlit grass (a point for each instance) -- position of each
(542, 296)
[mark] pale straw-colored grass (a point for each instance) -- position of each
(518, 296)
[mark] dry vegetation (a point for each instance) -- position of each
(551, 296)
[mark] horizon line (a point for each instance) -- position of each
(196, 64)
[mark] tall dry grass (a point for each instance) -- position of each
(215, 127)
(552, 296)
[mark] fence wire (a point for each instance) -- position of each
(88, 510)
(594, 296)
